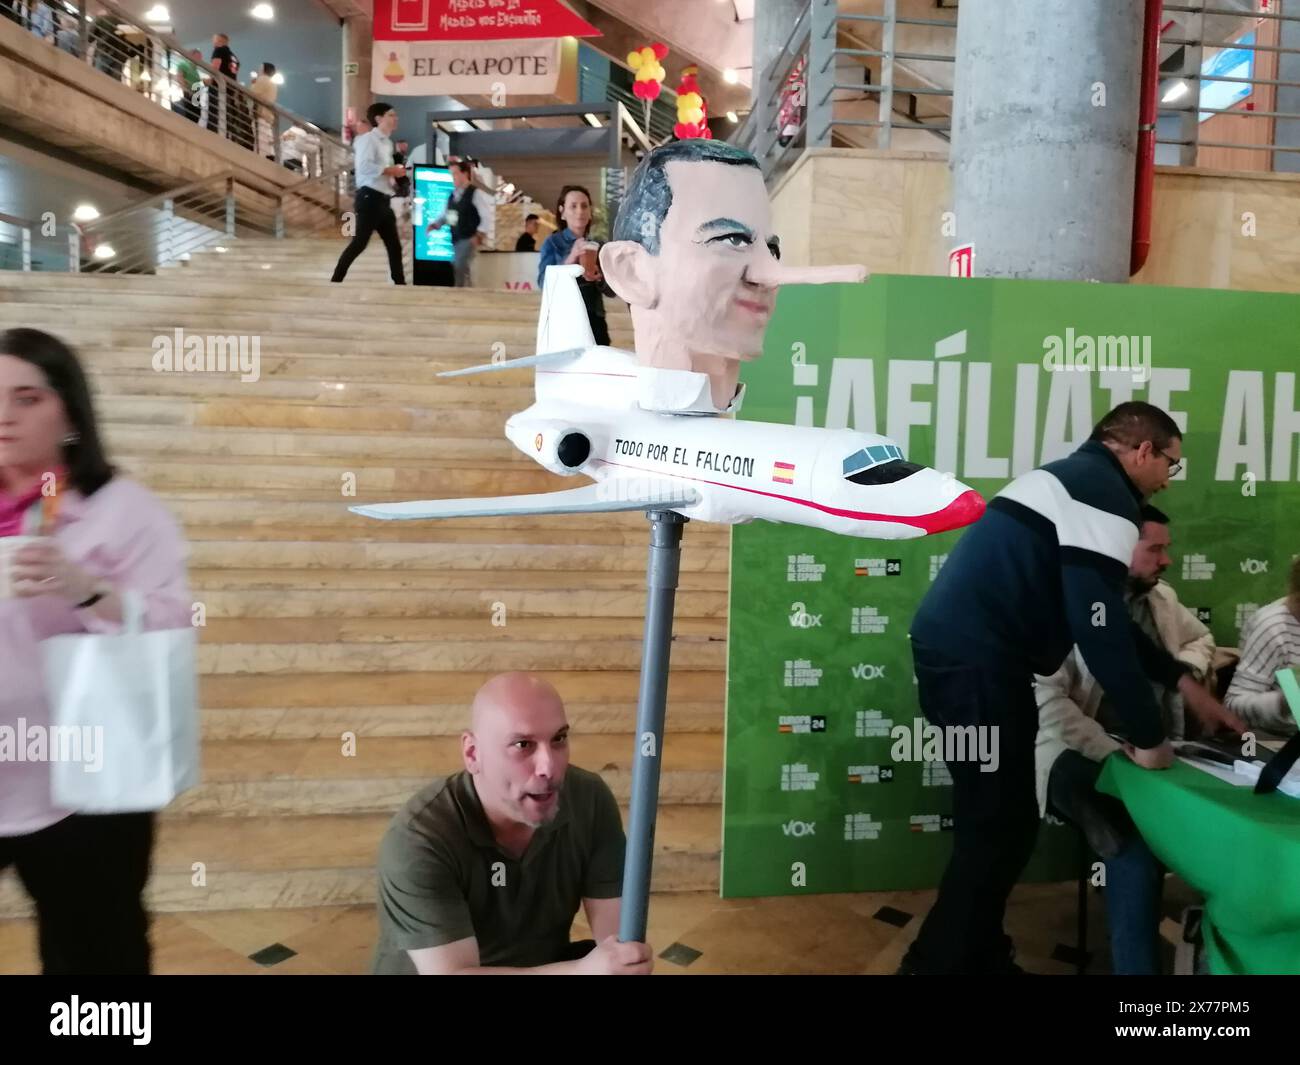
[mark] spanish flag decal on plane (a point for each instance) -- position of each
(783, 472)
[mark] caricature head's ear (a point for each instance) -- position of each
(630, 271)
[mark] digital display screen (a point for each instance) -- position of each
(431, 190)
(1229, 63)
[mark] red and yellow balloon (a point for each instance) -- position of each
(692, 111)
(645, 62)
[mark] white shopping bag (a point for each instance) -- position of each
(131, 704)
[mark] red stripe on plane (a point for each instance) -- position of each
(963, 510)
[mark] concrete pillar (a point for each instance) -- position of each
(358, 43)
(1045, 123)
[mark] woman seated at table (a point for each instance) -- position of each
(1270, 641)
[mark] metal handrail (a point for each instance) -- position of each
(1188, 113)
(160, 197)
(814, 41)
(252, 107)
(163, 229)
(1194, 9)
(661, 124)
(820, 28)
(27, 229)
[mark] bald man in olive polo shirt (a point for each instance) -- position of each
(482, 873)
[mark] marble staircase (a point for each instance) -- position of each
(339, 654)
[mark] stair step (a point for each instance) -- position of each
(382, 756)
(319, 302)
(443, 719)
(427, 532)
(432, 393)
(600, 603)
(270, 413)
(473, 303)
(200, 510)
(261, 443)
(437, 356)
(371, 484)
(422, 582)
(327, 860)
(388, 630)
(428, 688)
(498, 649)
(437, 556)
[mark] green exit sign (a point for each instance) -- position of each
(351, 68)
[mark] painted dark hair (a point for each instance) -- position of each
(649, 195)
(88, 468)
(559, 204)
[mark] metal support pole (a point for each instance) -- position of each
(662, 570)
(887, 75)
(821, 53)
(230, 207)
(27, 250)
(1189, 122)
(74, 251)
(84, 31)
(168, 220)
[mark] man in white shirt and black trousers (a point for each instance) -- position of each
(375, 172)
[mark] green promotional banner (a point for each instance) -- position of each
(830, 785)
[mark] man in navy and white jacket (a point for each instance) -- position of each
(1043, 570)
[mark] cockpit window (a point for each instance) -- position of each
(870, 456)
(885, 473)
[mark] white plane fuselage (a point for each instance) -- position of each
(741, 470)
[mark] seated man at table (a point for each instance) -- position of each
(482, 873)
(1074, 719)
(1270, 641)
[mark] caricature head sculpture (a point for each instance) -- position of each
(694, 254)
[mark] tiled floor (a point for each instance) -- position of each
(699, 933)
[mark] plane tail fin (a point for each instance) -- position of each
(563, 322)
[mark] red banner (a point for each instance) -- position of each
(476, 20)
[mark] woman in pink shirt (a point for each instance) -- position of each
(100, 535)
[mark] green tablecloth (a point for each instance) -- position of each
(1239, 849)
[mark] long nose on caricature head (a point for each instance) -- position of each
(772, 273)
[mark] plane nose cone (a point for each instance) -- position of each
(966, 509)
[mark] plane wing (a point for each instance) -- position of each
(515, 364)
(606, 497)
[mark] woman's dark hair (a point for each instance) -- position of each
(88, 468)
(559, 204)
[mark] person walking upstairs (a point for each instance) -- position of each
(376, 177)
